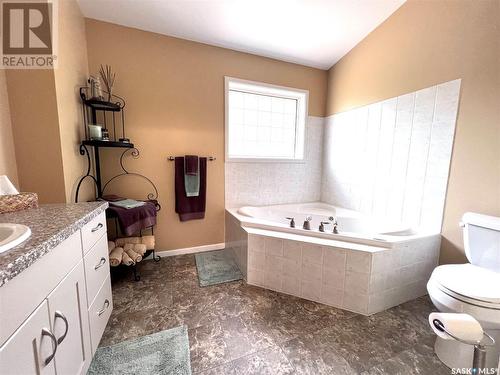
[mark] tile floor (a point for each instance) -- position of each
(235, 328)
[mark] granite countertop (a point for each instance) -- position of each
(50, 225)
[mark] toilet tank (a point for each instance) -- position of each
(482, 240)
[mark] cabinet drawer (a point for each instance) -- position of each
(99, 313)
(92, 231)
(96, 268)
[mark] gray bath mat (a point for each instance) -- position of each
(216, 267)
(165, 352)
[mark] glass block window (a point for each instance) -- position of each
(264, 122)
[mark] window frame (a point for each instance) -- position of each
(302, 97)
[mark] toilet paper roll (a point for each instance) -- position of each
(6, 187)
(463, 326)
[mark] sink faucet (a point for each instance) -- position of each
(292, 221)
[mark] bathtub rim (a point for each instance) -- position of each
(382, 241)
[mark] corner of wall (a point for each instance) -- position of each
(8, 163)
(70, 75)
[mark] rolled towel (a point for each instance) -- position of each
(127, 260)
(140, 248)
(124, 240)
(116, 256)
(149, 241)
(129, 249)
(111, 246)
(463, 326)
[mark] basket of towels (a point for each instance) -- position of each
(129, 250)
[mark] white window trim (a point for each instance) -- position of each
(302, 114)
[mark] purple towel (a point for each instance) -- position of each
(190, 208)
(191, 165)
(133, 220)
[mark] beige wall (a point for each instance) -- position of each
(33, 108)
(70, 75)
(424, 43)
(175, 105)
(8, 165)
(46, 115)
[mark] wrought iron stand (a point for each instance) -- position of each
(106, 112)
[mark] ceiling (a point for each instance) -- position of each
(315, 33)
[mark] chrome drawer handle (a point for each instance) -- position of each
(46, 332)
(59, 314)
(104, 308)
(99, 226)
(100, 264)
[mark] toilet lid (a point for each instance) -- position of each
(469, 281)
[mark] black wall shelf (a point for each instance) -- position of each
(98, 143)
(110, 114)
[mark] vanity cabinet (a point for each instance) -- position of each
(49, 322)
(29, 349)
(70, 322)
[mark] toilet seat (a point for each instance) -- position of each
(469, 283)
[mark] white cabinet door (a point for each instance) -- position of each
(31, 347)
(69, 318)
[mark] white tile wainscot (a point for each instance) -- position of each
(236, 239)
(360, 278)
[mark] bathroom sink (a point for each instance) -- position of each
(12, 235)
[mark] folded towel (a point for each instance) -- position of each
(133, 220)
(190, 207)
(116, 256)
(191, 165)
(191, 180)
(127, 203)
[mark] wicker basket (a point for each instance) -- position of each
(18, 202)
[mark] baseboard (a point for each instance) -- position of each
(191, 250)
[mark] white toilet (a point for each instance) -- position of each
(472, 288)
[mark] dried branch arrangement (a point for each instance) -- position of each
(108, 78)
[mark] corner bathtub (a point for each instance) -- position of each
(352, 226)
(367, 267)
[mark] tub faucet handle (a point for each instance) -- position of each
(335, 226)
(292, 222)
(322, 225)
(307, 223)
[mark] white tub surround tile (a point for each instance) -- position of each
(291, 285)
(359, 261)
(237, 240)
(274, 246)
(293, 251)
(264, 183)
(391, 159)
(312, 254)
(365, 282)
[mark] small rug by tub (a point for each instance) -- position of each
(217, 267)
(165, 352)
